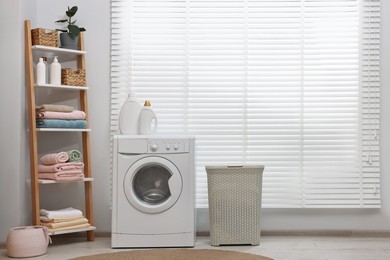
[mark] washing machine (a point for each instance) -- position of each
(153, 192)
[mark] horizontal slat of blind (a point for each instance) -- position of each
(290, 84)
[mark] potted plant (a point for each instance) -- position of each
(69, 36)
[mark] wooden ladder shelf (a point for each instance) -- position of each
(78, 55)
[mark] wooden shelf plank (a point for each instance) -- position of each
(53, 233)
(40, 181)
(61, 86)
(63, 130)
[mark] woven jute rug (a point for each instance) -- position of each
(175, 254)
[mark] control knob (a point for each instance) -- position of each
(154, 147)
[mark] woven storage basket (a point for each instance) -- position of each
(73, 77)
(44, 37)
(27, 241)
(234, 204)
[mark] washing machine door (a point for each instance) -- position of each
(153, 184)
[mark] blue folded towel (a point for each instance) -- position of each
(61, 123)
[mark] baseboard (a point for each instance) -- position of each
(314, 233)
(337, 233)
(318, 233)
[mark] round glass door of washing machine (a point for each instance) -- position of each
(153, 184)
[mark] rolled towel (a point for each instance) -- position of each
(54, 158)
(74, 155)
(55, 108)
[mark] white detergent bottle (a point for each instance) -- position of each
(147, 120)
(129, 115)
(41, 72)
(47, 71)
(55, 72)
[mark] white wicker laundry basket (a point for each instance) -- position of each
(234, 204)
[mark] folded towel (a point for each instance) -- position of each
(74, 155)
(75, 114)
(54, 158)
(55, 108)
(60, 123)
(57, 220)
(65, 224)
(61, 213)
(71, 227)
(62, 176)
(61, 173)
(60, 167)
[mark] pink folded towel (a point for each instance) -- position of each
(69, 172)
(61, 176)
(60, 167)
(54, 158)
(74, 115)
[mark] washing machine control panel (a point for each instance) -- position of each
(168, 145)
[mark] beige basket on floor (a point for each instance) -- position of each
(73, 77)
(234, 204)
(44, 37)
(27, 241)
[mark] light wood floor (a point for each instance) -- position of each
(277, 247)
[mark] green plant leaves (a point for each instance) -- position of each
(74, 30)
(62, 21)
(72, 11)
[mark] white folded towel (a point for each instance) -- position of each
(61, 213)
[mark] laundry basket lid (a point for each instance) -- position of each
(245, 166)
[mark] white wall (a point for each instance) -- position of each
(14, 192)
(10, 111)
(94, 15)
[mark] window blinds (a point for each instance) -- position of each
(290, 84)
